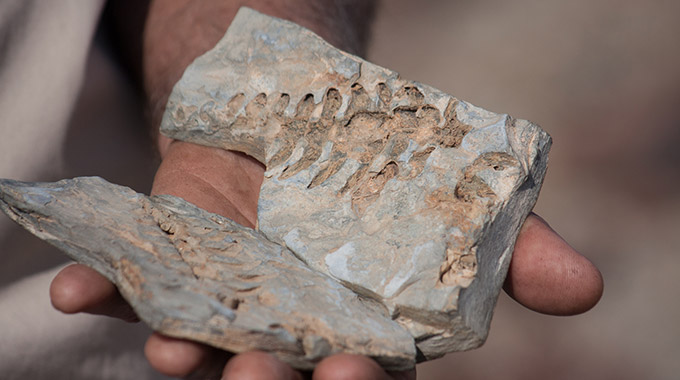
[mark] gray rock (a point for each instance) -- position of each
(386, 219)
(192, 274)
(404, 194)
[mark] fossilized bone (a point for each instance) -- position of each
(409, 198)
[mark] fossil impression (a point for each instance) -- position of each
(386, 219)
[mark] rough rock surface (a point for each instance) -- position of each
(386, 219)
(193, 274)
(404, 194)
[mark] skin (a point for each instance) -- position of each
(546, 274)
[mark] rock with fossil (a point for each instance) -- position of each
(386, 219)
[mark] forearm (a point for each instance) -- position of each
(178, 31)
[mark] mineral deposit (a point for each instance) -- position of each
(386, 219)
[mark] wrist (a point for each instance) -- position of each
(220, 181)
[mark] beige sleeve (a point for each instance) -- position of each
(38, 342)
(44, 46)
(43, 50)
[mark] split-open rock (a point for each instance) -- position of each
(386, 219)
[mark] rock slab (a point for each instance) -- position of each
(196, 275)
(386, 219)
(402, 193)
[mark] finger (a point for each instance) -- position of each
(78, 288)
(346, 366)
(257, 365)
(183, 358)
(548, 276)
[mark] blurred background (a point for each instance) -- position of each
(601, 76)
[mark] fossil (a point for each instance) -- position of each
(385, 196)
(193, 274)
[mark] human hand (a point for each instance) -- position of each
(545, 275)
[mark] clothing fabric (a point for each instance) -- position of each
(44, 47)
